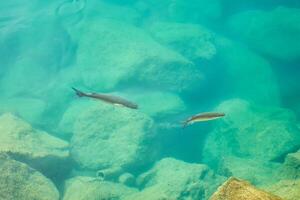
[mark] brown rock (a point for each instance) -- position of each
(235, 189)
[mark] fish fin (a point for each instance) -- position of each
(78, 92)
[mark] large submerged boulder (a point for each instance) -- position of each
(52, 51)
(193, 41)
(19, 181)
(287, 189)
(258, 172)
(30, 109)
(266, 133)
(111, 53)
(291, 166)
(181, 11)
(252, 137)
(83, 188)
(235, 189)
(251, 77)
(159, 104)
(109, 138)
(274, 32)
(175, 179)
(37, 148)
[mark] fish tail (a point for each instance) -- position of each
(78, 92)
(184, 124)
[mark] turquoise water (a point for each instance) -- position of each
(174, 59)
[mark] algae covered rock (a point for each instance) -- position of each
(258, 172)
(42, 62)
(175, 179)
(30, 109)
(253, 131)
(109, 137)
(111, 53)
(83, 188)
(286, 189)
(107, 10)
(291, 166)
(235, 189)
(159, 104)
(20, 182)
(40, 150)
(251, 77)
(192, 41)
(181, 11)
(275, 32)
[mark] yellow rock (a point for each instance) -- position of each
(235, 189)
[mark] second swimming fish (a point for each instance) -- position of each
(202, 117)
(115, 100)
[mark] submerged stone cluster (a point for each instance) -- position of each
(174, 58)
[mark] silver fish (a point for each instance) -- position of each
(115, 100)
(202, 117)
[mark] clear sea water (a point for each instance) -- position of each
(175, 59)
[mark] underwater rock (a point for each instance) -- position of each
(192, 11)
(159, 104)
(107, 10)
(108, 137)
(250, 76)
(258, 172)
(30, 109)
(37, 148)
(286, 189)
(112, 53)
(235, 189)
(127, 179)
(253, 131)
(71, 114)
(192, 41)
(19, 181)
(30, 70)
(275, 32)
(175, 179)
(291, 166)
(70, 13)
(150, 103)
(87, 188)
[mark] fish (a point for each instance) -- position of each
(202, 117)
(115, 100)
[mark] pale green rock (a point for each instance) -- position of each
(40, 150)
(69, 117)
(159, 104)
(275, 32)
(30, 70)
(181, 11)
(286, 189)
(20, 182)
(107, 136)
(253, 132)
(83, 188)
(258, 172)
(30, 109)
(156, 104)
(106, 10)
(291, 166)
(121, 53)
(251, 77)
(175, 179)
(191, 40)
